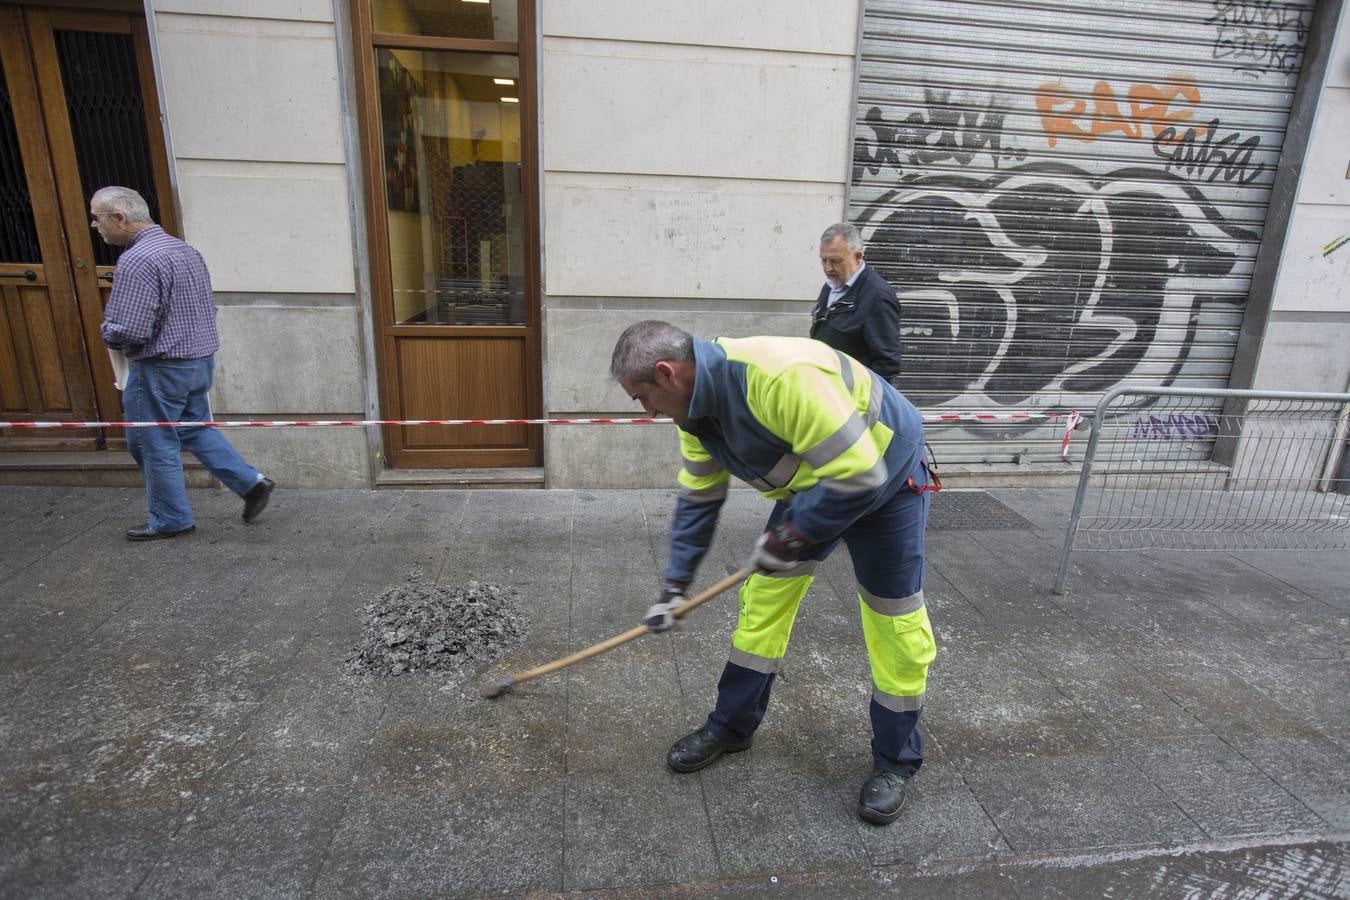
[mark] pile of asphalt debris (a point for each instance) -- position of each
(420, 627)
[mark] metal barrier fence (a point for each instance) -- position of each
(1175, 469)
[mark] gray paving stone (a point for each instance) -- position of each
(1229, 705)
(989, 703)
(447, 838)
(633, 831)
(1072, 802)
(770, 815)
(79, 848)
(1312, 769)
(1217, 788)
(941, 819)
(1112, 691)
(143, 682)
(245, 840)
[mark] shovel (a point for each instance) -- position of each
(506, 683)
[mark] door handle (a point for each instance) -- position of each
(26, 275)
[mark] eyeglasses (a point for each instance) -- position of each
(95, 216)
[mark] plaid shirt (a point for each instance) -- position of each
(161, 303)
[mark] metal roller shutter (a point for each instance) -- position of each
(1066, 195)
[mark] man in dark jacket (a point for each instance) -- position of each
(857, 311)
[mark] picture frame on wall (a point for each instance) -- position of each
(398, 91)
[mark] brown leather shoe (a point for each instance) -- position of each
(700, 749)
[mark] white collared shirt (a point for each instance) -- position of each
(837, 292)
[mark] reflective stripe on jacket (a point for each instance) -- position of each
(798, 421)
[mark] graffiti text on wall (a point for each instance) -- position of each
(1046, 285)
(1065, 113)
(942, 131)
(1157, 111)
(1259, 36)
(1195, 152)
(1174, 426)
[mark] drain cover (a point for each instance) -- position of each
(972, 511)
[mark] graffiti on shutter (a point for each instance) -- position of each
(1067, 196)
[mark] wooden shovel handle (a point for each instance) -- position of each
(636, 632)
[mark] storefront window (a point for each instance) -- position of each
(450, 126)
(486, 20)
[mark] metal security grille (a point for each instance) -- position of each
(18, 232)
(1067, 195)
(107, 117)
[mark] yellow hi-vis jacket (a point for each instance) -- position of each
(801, 423)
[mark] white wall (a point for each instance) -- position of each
(692, 154)
(1307, 343)
(253, 111)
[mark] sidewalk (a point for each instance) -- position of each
(175, 721)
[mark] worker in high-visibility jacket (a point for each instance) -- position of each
(841, 451)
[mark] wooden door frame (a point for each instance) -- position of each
(43, 195)
(365, 39)
(74, 206)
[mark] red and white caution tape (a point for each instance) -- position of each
(358, 423)
(1070, 427)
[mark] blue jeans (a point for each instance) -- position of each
(174, 390)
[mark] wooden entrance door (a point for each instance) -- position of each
(78, 111)
(448, 117)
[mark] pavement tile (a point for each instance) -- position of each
(1322, 574)
(428, 736)
(1221, 791)
(79, 850)
(451, 837)
(41, 521)
(1312, 870)
(987, 702)
(313, 731)
(649, 828)
(520, 503)
(247, 840)
(145, 683)
(941, 819)
(1230, 706)
(624, 710)
(1313, 769)
(1075, 802)
(769, 814)
(1315, 690)
(1112, 691)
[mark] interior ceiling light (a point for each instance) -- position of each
(477, 1)
(510, 99)
(503, 81)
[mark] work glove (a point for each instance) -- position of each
(777, 549)
(661, 615)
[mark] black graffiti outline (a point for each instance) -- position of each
(1236, 37)
(1121, 183)
(962, 134)
(1193, 154)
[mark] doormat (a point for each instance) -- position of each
(972, 511)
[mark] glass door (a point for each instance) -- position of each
(451, 196)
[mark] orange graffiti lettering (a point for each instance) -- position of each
(1152, 104)
(1065, 114)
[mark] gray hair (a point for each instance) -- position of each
(845, 231)
(643, 345)
(126, 201)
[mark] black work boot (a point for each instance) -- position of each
(881, 797)
(695, 751)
